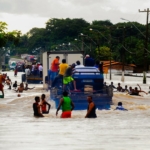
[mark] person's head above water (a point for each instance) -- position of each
(37, 98)
(119, 103)
(65, 93)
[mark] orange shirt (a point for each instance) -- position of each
(2, 79)
(55, 65)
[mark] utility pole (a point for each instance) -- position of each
(123, 55)
(146, 45)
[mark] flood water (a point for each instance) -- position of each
(111, 130)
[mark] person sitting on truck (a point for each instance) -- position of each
(53, 72)
(97, 64)
(67, 106)
(78, 64)
(91, 110)
(62, 69)
(68, 77)
(120, 107)
(27, 71)
(44, 103)
(41, 70)
(89, 61)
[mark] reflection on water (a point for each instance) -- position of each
(112, 130)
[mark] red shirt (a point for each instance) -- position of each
(55, 65)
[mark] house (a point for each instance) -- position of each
(116, 67)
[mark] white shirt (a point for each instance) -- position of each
(79, 66)
(27, 71)
(40, 68)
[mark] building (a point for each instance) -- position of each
(116, 67)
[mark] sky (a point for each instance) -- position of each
(23, 15)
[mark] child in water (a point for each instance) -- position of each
(120, 107)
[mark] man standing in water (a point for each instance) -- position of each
(91, 110)
(36, 107)
(67, 106)
(44, 103)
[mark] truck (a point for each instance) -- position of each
(89, 81)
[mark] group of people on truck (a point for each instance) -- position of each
(35, 69)
(64, 71)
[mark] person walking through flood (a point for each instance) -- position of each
(44, 103)
(91, 110)
(67, 106)
(36, 107)
(120, 107)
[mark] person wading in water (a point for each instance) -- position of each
(67, 106)
(36, 107)
(91, 110)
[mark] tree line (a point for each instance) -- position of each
(101, 39)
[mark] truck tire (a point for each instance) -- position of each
(23, 77)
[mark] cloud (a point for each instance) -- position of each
(89, 10)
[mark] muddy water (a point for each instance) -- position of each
(112, 130)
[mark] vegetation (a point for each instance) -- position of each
(99, 39)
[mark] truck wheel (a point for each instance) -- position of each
(23, 77)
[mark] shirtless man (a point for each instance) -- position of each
(136, 91)
(44, 103)
(20, 88)
(91, 110)
(36, 107)
(119, 88)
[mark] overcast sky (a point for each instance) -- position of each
(25, 14)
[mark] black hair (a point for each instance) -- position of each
(65, 93)
(73, 65)
(57, 57)
(37, 98)
(119, 103)
(78, 62)
(63, 60)
(43, 96)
